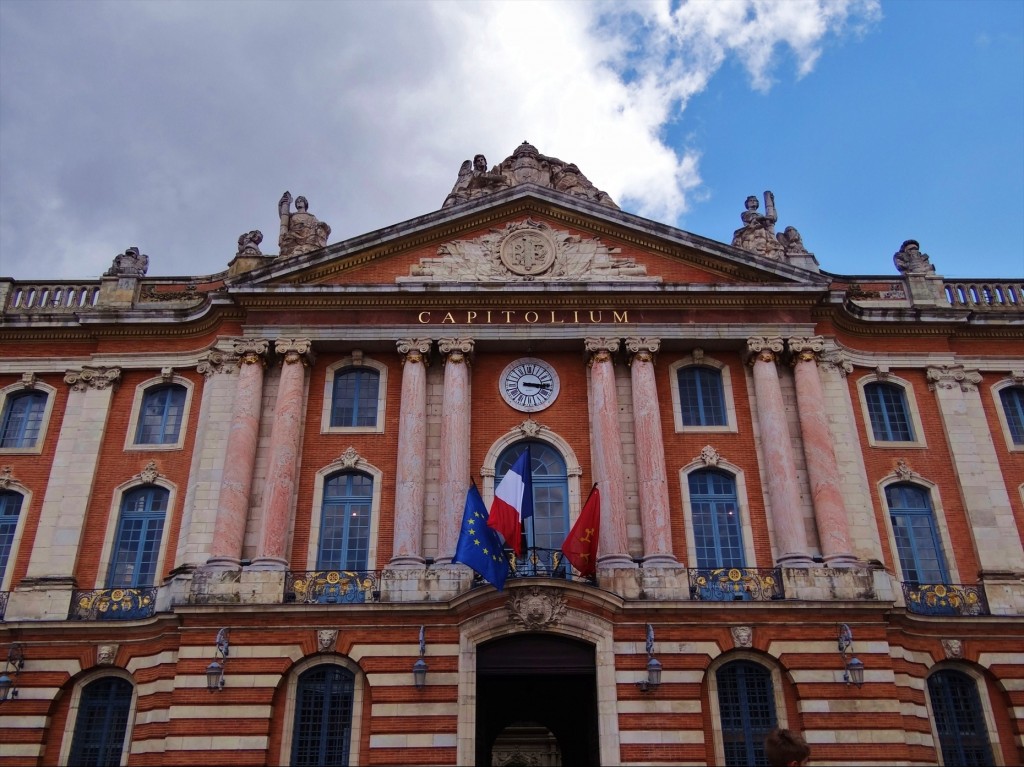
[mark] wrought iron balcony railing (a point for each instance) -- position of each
(543, 563)
(328, 587)
(3, 603)
(120, 604)
(736, 584)
(945, 599)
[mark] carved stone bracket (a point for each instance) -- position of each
(763, 348)
(294, 351)
(806, 349)
(903, 470)
(251, 351)
(536, 608)
(28, 380)
(414, 350)
(326, 640)
(953, 376)
(642, 349)
(167, 373)
(697, 355)
(6, 477)
(149, 474)
(1016, 375)
(882, 371)
(954, 648)
(742, 636)
(709, 456)
(92, 378)
(456, 350)
(349, 458)
(106, 654)
(531, 428)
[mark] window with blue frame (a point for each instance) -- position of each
(22, 419)
(345, 522)
(701, 396)
(888, 411)
(140, 530)
(1013, 407)
(354, 397)
(10, 509)
(322, 732)
(160, 419)
(746, 705)
(715, 516)
(959, 721)
(101, 723)
(917, 538)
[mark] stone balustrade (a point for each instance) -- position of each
(52, 297)
(988, 295)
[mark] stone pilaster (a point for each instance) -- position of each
(411, 472)
(780, 468)
(455, 431)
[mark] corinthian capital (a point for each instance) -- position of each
(642, 349)
(763, 348)
(294, 350)
(251, 351)
(92, 378)
(414, 350)
(455, 350)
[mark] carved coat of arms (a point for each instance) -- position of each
(535, 608)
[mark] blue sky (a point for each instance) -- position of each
(175, 126)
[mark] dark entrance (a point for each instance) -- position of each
(537, 682)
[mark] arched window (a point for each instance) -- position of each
(888, 411)
(715, 514)
(917, 539)
(550, 522)
(354, 397)
(22, 419)
(701, 396)
(140, 530)
(322, 732)
(161, 415)
(101, 723)
(1013, 408)
(10, 508)
(746, 705)
(959, 721)
(345, 522)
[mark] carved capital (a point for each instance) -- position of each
(953, 376)
(642, 349)
(216, 361)
(456, 350)
(414, 350)
(807, 349)
(294, 351)
(251, 351)
(92, 378)
(536, 608)
(838, 361)
(763, 349)
(600, 349)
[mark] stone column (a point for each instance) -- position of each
(455, 430)
(606, 445)
(780, 468)
(411, 472)
(285, 437)
(822, 466)
(652, 481)
(240, 456)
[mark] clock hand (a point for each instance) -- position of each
(533, 385)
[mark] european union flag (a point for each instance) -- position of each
(479, 546)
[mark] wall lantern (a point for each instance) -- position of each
(215, 671)
(15, 663)
(653, 665)
(853, 669)
(419, 668)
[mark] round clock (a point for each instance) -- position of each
(528, 384)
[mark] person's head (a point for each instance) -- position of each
(751, 203)
(301, 203)
(480, 163)
(783, 748)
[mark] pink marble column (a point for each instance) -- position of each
(822, 466)
(455, 429)
(790, 536)
(284, 454)
(410, 475)
(236, 482)
(606, 446)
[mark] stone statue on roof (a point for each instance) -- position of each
(910, 259)
(301, 231)
(131, 263)
(757, 235)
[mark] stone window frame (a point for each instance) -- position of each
(339, 466)
(19, 388)
(86, 679)
(19, 529)
(114, 518)
(291, 684)
(913, 411)
(742, 500)
(781, 714)
(136, 411)
(356, 359)
(728, 395)
(981, 685)
(995, 389)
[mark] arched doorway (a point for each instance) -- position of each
(536, 698)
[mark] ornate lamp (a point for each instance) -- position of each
(653, 665)
(419, 668)
(15, 663)
(853, 669)
(215, 671)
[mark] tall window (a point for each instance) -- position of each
(701, 397)
(160, 419)
(102, 721)
(137, 543)
(959, 721)
(715, 513)
(345, 522)
(746, 705)
(22, 419)
(354, 398)
(917, 540)
(1013, 407)
(322, 732)
(10, 508)
(550, 493)
(890, 416)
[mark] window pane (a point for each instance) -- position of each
(746, 703)
(917, 539)
(10, 508)
(160, 419)
(22, 419)
(137, 543)
(323, 717)
(345, 522)
(1013, 407)
(701, 397)
(714, 511)
(101, 723)
(959, 721)
(355, 396)
(550, 522)
(887, 408)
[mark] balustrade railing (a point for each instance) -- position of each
(326, 587)
(113, 604)
(543, 563)
(945, 599)
(736, 584)
(53, 297)
(985, 295)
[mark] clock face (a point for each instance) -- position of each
(529, 384)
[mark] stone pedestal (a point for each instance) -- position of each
(40, 599)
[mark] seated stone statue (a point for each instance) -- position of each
(301, 232)
(909, 258)
(249, 243)
(131, 263)
(757, 235)
(791, 241)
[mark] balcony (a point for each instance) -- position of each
(120, 604)
(736, 584)
(945, 599)
(543, 563)
(328, 587)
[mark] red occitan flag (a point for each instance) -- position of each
(580, 545)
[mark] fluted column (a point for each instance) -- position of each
(410, 475)
(822, 467)
(651, 475)
(790, 536)
(606, 444)
(455, 429)
(240, 458)
(285, 435)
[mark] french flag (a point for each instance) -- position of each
(513, 502)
